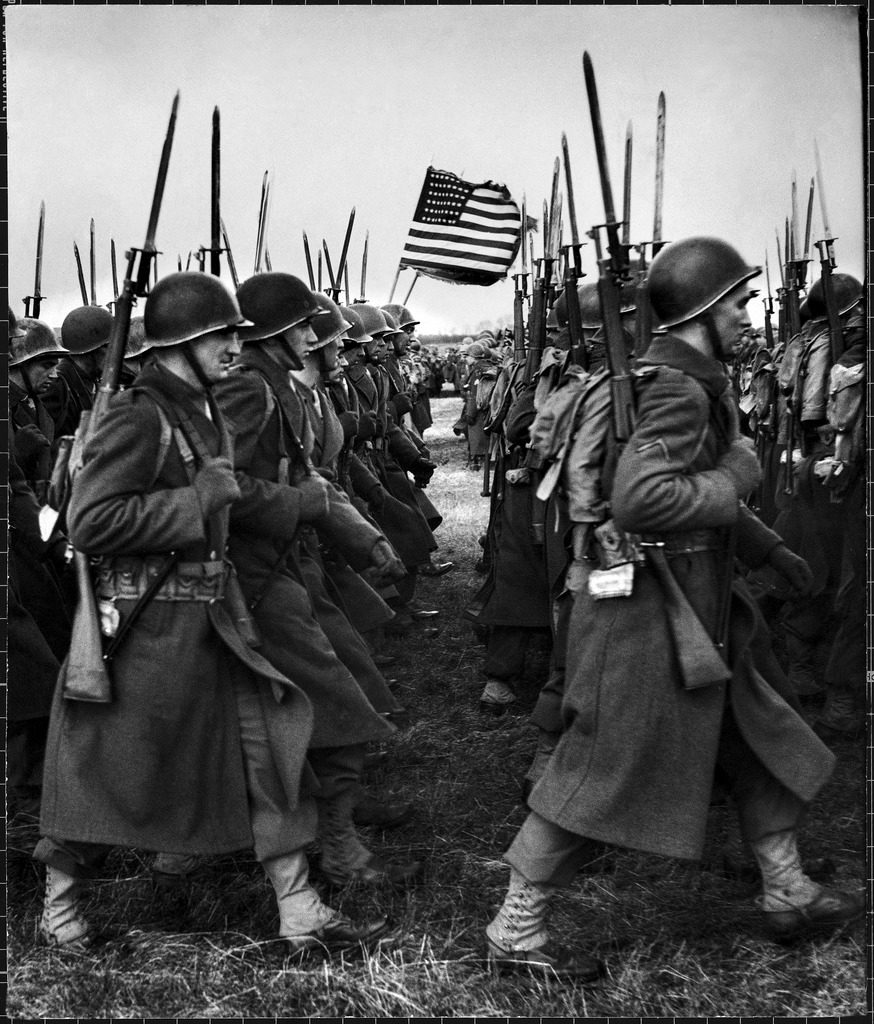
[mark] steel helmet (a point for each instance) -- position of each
(330, 327)
(393, 329)
(356, 334)
(476, 350)
(187, 305)
(34, 339)
(689, 276)
(373, 319)
(274, 302)
(14, 330)
(85, 329)
(137, 341)
(847, 291)
(400, 314)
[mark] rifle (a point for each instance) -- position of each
(341, 266)
(86, 677)
(37, 296)
(768, 303)
(82, 287)
(641, 294)
(114, 271)
(826, 248)
(573, 270)
(519, 297)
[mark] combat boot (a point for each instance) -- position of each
(518, 941)
(793, 904)
(62, 924)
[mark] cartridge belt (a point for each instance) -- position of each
(127, 578)
(688, 543)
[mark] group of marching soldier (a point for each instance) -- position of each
(225, 688)
(246, 513)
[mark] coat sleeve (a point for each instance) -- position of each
(656, 488)
(115, 507)
(347, 530)
(265, 506)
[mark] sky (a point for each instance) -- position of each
(347, 106)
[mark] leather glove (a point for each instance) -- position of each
(349, 423)
(376, 498)
(313, 491)
(385, 561)
(793, 568)
(402, 403)
(215, 484)
(422, 470)
(741, 466)
(367, 424)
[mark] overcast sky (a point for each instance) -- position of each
(347, 106)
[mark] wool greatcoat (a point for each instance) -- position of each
(635, 764)
(304, 634)
(161, 766)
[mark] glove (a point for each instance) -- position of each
(402, 403)
(349, 423)
(313, 491)
(422, 470)
(385, 562)
(215, 484)
(367, 424)
(793, 568)
(376, 498)
(741, 466)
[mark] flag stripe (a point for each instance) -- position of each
(450, 241)
(415, 252)
(413, 261)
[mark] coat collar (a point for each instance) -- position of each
(668, 350)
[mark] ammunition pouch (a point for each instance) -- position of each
(126, 578)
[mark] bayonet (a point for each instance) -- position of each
(626, 193)
(553, 207)
(659, 176)
(780, 260)
(328, 267)
(267, 262)
(346, 284)
(825, 221)
(93, 267)
(37, 296)
(306, 252)
(82, 287)
(319, 274)
(114, 268)
(341, 266)
(179, 262)
(523, 249)
(826, 249)
(794, 235)
(215, 266)
(809, 219)
(188, 261)
(149, 244)
(576, 244)
(362, 293)
(231, 265)
(262, 216)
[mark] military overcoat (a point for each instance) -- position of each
(635, 764)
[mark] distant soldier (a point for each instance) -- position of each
(33, 355)
(650, 710)
(201, 748)
(70, 391)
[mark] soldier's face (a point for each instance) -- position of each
(40, 368)
(401, 342)
(300, 337)
(731, 319)
(215, 352)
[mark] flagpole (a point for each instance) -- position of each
(395, 283)
(412, 286)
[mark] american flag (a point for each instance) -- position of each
(462, 232)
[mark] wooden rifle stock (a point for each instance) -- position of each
(518, 327)
(538, 331)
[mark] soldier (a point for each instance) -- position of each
(286, 510)
(478, 388)
(70, 391)
(202, 746)
(405, 354)
(34, 354)
(650, 711)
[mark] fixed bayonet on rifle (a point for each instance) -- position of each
(215, 263)
(306, 252)
(626, 190)
(82, 287)
(346, 284)
(86, 677)
(334, 286)
(319, 270)
(93, 266)
(231, 265)
(768, 303)
(114, 268)
(613, 274)
(37, 296)
(363, 293)
(267, 262)
(826, 248)
(519, 296)
(657, 242)
(262, 223)
(344, 252)
(573, 270)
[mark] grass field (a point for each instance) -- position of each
(678, 939)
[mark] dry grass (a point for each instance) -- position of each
(678, 939)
